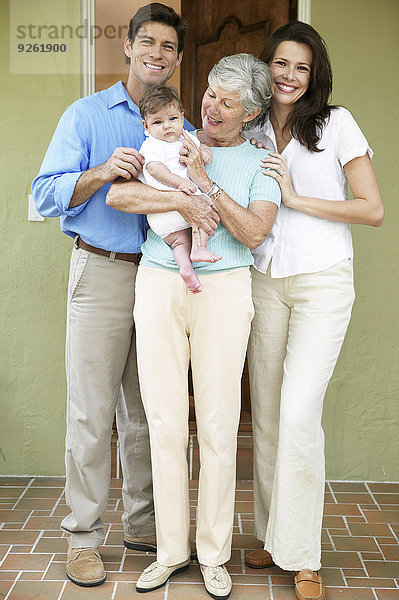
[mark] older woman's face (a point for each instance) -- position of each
(222, 113)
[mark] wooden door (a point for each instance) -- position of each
(219, 28)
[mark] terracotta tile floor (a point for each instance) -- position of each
(360, 544)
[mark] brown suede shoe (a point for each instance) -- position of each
(85, 567)
(309, 585)
(259, 559)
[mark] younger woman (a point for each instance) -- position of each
(303, 294)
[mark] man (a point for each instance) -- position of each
(80, 164)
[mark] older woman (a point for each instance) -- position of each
(303, 295)
(210, 329)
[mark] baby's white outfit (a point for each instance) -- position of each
(167, 153)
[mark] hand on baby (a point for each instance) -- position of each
(206, 154)
(187, 186)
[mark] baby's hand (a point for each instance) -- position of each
(186, 185)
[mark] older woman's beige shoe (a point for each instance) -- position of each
(85, 567)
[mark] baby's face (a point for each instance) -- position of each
(166, 124)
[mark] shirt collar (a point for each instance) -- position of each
(118, 94)
(269, 131)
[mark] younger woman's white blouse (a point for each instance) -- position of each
(299, 243)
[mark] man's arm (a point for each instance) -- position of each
(65, 181)
(134, 197)
(123, 162)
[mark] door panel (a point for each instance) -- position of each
(217, 29)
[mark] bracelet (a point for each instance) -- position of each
(214, 189)
(217, 195)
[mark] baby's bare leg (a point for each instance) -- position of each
(200, 253)
(180, 242)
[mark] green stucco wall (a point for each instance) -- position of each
(361, 408)
(361, 415)
(34, 258)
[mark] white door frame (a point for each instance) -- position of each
(88, 50)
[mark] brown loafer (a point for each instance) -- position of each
(259, 559)
(309, 585)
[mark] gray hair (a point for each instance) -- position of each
(250, 77)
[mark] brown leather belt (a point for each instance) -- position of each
(134, 258)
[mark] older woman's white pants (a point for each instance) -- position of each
(297, 333)
(211, 329)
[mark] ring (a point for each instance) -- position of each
(188, 151)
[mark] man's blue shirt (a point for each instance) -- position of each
(86, 136)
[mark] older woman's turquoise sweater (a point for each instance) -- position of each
(237, 171)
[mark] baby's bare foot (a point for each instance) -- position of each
(190, 279)
(200, 254)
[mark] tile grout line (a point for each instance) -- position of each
(114, 590)
(57, 502)
(331, 540)
(375, 594)
(345, 519)
(37, 541)
(8, 596)
(191, 456)
(332, 492)
(118, 458)
(361, 512)
(361, 481)
(343, 576)
(106, 535)
(62, 590)
(393, 532)
(371, 494)
(242, 556)
(26, 520)
(239, 522)
(269, 579)
(24, 492)
(48, 566)
(6, 554)
(123, 559)
(363, 564)
(379, 547)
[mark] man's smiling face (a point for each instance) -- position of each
(153, 54)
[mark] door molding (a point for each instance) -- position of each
(304, 11)
(87, 49)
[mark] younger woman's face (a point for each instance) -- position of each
(290, 67)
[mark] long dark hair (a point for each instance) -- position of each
(309, 113)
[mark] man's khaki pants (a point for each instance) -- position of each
(297, 333)
(211, 330)
(100, 356)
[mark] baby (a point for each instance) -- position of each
(163, 117)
